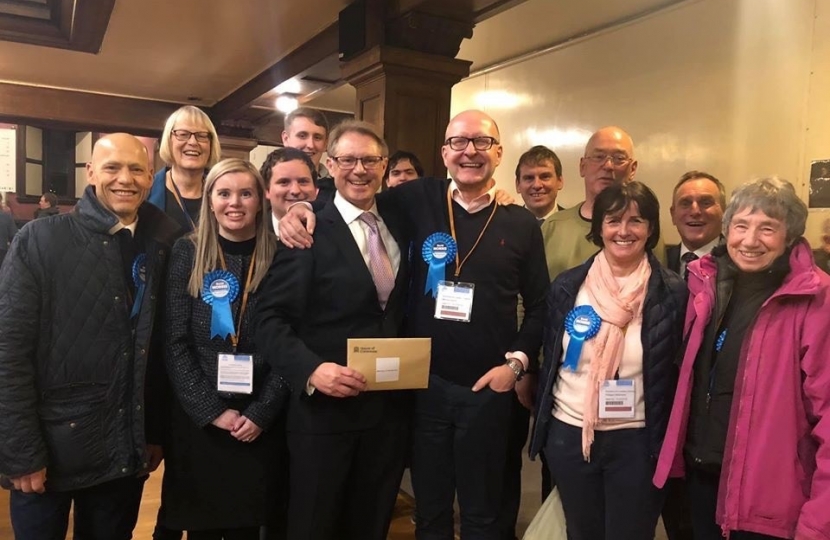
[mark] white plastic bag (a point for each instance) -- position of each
(549, 521)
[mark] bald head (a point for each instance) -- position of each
(611, 135)
(472, 151)
(121, 173)
(473, 116)
(609, 158)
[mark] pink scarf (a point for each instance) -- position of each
(617, 307)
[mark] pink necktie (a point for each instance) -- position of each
(379, 264)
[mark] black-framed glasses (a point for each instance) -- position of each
(350, 162)
(618, 160)
(183, 135)
(479, 143)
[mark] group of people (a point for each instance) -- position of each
(162, 320)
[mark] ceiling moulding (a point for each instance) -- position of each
(77, 25)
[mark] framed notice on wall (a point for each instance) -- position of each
(8, 159)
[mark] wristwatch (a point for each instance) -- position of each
(517, 367)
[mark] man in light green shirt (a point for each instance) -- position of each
(609, 158)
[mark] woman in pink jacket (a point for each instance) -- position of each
(750, 423)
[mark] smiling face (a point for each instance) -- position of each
(190, 154)
(697, 213)
(290, 182)
(357, 185)
(754, 240)
(121, 174)
(609, 158)
(624, 236)
(470, 168)
(303, 134)
(538, 185)
(235, 203)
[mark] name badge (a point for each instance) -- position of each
(454, 301)
(617, 399)
(235, 373)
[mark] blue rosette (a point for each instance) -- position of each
(220, 288)
(581, 323)
(438, 248)
(140, 281)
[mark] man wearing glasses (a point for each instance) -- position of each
(347, 446)
(609, 158)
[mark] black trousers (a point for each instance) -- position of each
(517, 438)
(702, 487)
(612, 496)
(246, 533)
(459, 445)
(343, 486)
(107, 511)
(676, 514)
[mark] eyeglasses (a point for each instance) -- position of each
(350, 162)
(601, 159)
(479, 143)
(183, 135)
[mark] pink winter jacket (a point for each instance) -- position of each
(775, 478)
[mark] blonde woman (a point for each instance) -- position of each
(223, 457)
(190, 147)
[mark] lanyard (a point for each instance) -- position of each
(177, 194)
(235, 335)
(458, 264)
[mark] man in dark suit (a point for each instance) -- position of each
(347, 446)
(290, 177)
(697, 208)
(698, 202)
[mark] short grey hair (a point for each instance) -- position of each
(361, 128)
(776, 198)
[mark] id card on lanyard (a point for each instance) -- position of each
(235, 372)
(454, 300)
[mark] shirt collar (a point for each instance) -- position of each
(276, 221)
(351, 212)
(705, 250)
(131, 227)
(479, 203)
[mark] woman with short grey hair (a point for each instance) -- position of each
(750, 423)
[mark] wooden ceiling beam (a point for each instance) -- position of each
(312, 52)
(82, 110)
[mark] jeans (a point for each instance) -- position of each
(107, 511)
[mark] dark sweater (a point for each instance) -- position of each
(508, 261)
(739, 298)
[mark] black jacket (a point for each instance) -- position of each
(78, 377)
(663, 316)
(310, 303)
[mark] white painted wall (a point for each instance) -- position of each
(737, 88)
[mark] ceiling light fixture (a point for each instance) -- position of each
(290, 86)
(286, 103)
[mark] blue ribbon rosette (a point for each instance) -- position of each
(438, 248)
(219, 291)
(140, 281)
(581, 323)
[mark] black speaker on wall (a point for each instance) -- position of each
(352, 25)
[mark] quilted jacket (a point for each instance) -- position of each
(665, 306)
(81, 385)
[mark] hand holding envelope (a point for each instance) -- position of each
(391, 363)
(337, 381)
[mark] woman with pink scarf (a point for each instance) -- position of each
(605, 389)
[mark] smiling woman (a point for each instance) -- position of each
(223, 460)
(189, 146)
(614, 330)
(750, 419)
